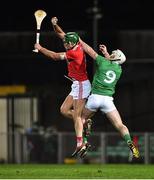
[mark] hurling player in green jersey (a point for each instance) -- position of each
(107, 73)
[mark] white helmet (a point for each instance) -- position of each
(119, 56)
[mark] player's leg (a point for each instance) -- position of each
(85, 145)
(87, 122)
(90, 109)
(116, 120)
(81, 92)
(82, 114)
(67, 107)
(78, 125)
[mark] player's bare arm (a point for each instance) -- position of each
(51, 54)
(57, 28)
(89, 50)
(103, 49)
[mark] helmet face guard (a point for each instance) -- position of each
(119, 56)
(71, 37)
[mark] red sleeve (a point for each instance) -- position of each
(71, 55)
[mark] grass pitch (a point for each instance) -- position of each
(108, 171)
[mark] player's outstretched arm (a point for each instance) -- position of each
(89, 50)
(57, 28)
(51, 54)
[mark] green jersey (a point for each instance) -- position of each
(106, 76)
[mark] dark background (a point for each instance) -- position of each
(117, 14)
(125, 24)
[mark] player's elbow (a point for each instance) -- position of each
(93, 55)
(61, 35)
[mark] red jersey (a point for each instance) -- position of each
(76, 63)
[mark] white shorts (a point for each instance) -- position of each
(80, 89)
(104, 103)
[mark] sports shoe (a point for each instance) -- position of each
(81, 150)
(134, 150)
(87, 127)
(84, 152)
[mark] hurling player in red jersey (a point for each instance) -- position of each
(76, 62)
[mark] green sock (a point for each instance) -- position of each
(127, 138)
(85, 140)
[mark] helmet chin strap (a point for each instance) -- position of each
(116, 61)
(73, 45)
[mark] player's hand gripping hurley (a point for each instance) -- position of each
(54, 21)
(39, 16)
